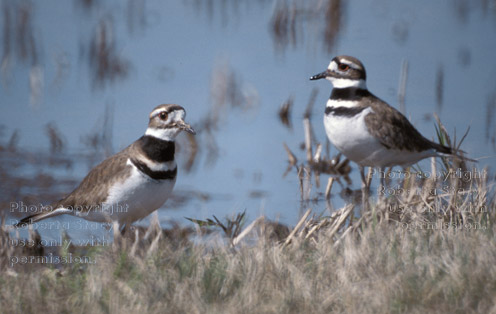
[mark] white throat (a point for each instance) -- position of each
(163, 134)
(344, 83)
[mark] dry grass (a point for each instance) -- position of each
(428, 244)
(391, 259)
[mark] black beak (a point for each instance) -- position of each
(320, 75)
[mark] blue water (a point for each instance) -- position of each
(175, 48)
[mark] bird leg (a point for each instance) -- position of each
(365, 190)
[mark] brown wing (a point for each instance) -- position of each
(92, 191)
(395, 131)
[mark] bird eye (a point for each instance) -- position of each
(343, 67)
(163, 115)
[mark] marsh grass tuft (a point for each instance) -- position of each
(231, 228)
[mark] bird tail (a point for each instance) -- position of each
(450, 151)
(40, 216)
(445, 151)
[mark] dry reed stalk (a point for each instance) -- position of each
(154, 227)
(135, 243)
(351, 228)
(317, 227)
(297, 227)
(285, 112)
(308, 138)
(153, 247)
(318, 153)
(291, 157)
(346, 211)
(329, 188)
(247, 230)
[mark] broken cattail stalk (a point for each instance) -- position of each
(328, 188)
(318, 153)
(247, 230)
(291, 157)
(135, 243)
(285, 112)
(346, 211)
(301, 175)
(297, 227)
(317, 227)
(308, 138)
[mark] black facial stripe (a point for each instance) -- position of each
(168, 126)
(349, 93)
(156, 149)
(344, 111)
(156, 175)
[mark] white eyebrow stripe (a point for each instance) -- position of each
(156, 112)
(167, 110)
(350, 63)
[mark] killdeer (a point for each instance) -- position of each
(366, 129)
(132, 183)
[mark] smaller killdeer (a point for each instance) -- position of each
(132, 183)
(366, 129)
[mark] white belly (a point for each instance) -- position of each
(351, 137)
(133, 199)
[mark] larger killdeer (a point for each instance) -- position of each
(364, 128)
(132, 183)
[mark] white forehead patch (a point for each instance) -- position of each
(333, 66)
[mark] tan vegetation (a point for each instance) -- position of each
(404, 255)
